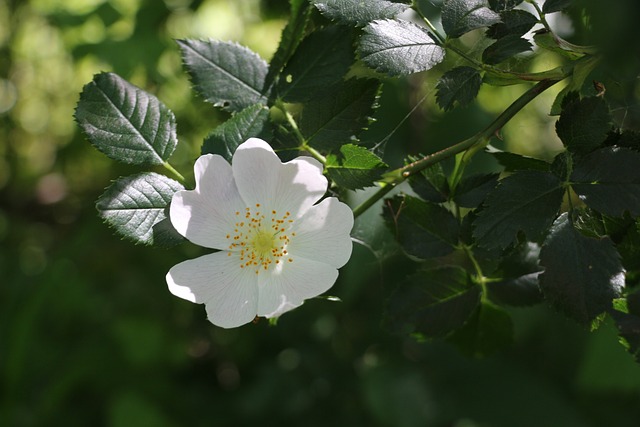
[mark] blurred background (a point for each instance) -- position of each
(90, 336)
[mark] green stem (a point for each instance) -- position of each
(541, 14)
(175, 173)
(475, 143)
(428, 23)
(304, 146)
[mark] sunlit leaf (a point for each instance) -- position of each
(526, 201)
(224, 73)
(358, 13)
(458, 86)
(136, 207)
(125, 122)
(253, 121)
(355, 168)
(320, 61)
(398, 48)
(433, 302)
(608, 180)
(462, 16)
(423, 229)
(582, 275)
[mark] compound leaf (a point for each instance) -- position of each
(458, 86)
(358, 13)
(584, 123)
(356, 168)
(462, 16)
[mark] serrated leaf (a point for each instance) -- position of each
(358, 13)
(551, 6)
(503, 5)
(224, 73)
(433, 302)
(461, 16)
(582, 275)
(431, 184)
(473, 189)
(608, 180)
(504, 48)
(340, 115)
(398, 48)
(526, 201)
(136, 207)
(518, 272)
(515, 162)
(251, 122)
(487, 331)
(514, 22)
(321, 61)
(291, 37)
(125, 122)
(584, 123)
(458, 86)
(357, 168)
(424, 230)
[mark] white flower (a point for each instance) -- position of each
(277, 247)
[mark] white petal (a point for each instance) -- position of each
(322, 233)
(207, 214)
(261, 178)
(229, 293)
(287, 287)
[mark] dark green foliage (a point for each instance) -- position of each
(551, 6)
(253, 121)
(458, 86)
(320, 62)
(433, 302)
(461, 16)
(358, 13)
(126, 123)
(582, 274)
(503, 5)
(473, 189)
(514, 162)
(340, 114)
(504, 48)
(526, 201)
(423, 229)
(431, 184)
(518, 274)
(356, 167)
(225, 74)
(584, 123)
(514, 22)
(489, 330)
(399, 48)
(608, 180)
(136, 207)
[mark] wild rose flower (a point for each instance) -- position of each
(277, 247)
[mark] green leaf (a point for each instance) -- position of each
(292, 35)
(225, 74)
(398, 48)
(582, 275)
(503, 5)
(431, 184)
(487, 331)
(504, 48)
(584, 123)
(356, 168)
(358, 13)
(526, 201)
(515, 162)
(424, 230)
(551, 6)
(514, 22)
(341, 114)
(608, 180)
(458, 86)
(462, 16)
(253, 121)
(136, 207)
(433, 302)
(518, 273)
(125, 122)
(473, 189)
(320, 61)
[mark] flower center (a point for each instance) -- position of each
(260, 238)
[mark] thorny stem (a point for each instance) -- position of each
(476, 142)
